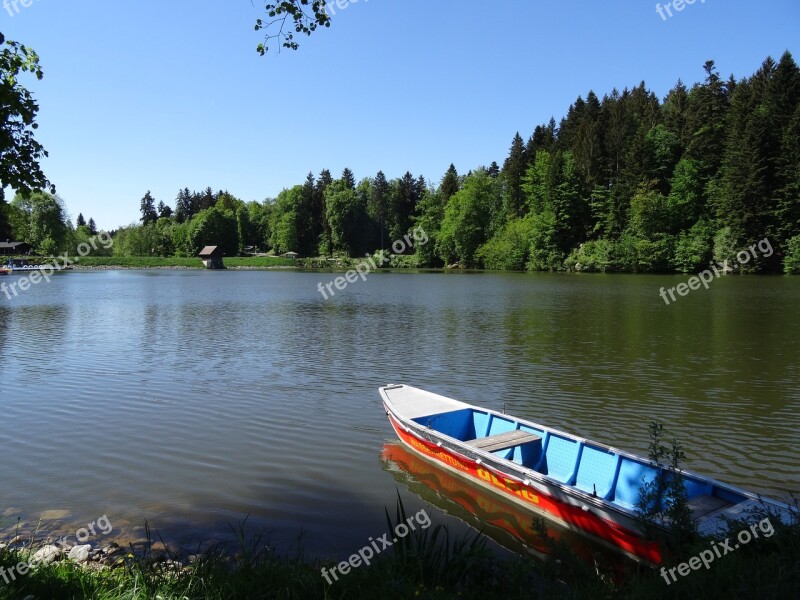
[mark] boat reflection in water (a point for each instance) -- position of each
(499, 519)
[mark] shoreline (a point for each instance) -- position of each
(311, 265)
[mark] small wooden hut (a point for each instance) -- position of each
(212, 257)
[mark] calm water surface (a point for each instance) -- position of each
(196, 400)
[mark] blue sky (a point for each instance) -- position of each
(158, 96)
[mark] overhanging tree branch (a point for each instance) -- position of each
(20, 153)
(291, 14)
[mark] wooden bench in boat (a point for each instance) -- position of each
(503, 441)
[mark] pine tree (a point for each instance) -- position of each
(569, 124)
(164, 211)
(91, 227)
(148, 209)
(450, 183)
(422, 187)
(323, 181)
(80, 221)
(494, 170)
(349, 179)
(513, 171)
(378, 207)
(618, 128)
(207, 200)
(706, 120)
(587, 147)
(783, 98)
(184, 206)
(788, 174)
(543, 138)
(309, 229)
(404, 198)
(675, 111)
(744, 179)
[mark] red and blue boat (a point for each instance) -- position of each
(581, 484)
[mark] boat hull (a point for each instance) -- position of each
(539, 498)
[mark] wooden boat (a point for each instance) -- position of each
(581, 484)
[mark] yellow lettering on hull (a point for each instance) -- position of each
(510, 486)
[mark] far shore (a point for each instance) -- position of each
(277, 263)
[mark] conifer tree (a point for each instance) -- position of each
(349, 179)
(325, 242)
(148, 209)
(450, 183)
(378, 207)
(513, 173)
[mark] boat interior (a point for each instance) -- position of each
(588, 467)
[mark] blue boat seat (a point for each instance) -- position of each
(560, 458)
(632, 474)
(597, 471)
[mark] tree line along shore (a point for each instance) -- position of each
(623, 183)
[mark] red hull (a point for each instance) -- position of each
(604, 529)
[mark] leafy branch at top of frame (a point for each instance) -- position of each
(291, 14)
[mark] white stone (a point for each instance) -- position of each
(80, 554)
(46, 555)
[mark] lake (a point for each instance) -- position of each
(196, 400)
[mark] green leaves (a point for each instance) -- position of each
(20, 153)
(287, 15)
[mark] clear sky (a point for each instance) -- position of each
(163, 95)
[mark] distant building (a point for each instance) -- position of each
(212, 257)
(14, 248)
(290, 255)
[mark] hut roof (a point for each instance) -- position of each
(210, 251)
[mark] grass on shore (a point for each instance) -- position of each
(426, 565)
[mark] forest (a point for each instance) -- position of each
(623, 183)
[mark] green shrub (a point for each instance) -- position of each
(592, 257)
(694, 248)
(509, 249)
(634, 254)
(544, 252)
(791, 262)
(404, 261)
